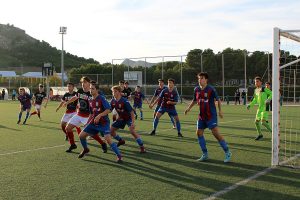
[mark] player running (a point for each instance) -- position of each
(168, 98)
(138, 98)
(262, 96)
(98, 122)
(38, 98)
(25, 104)
(205, 96)
(126, 117)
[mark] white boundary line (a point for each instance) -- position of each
(45, 148)
(29, 150)
(247, 180)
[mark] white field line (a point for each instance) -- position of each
(45, 148)
(247, 180)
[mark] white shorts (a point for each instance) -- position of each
(67, 116)
(114, 112)
(37, 106)
(78, 120)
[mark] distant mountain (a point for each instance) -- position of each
(131, 63)
(19, 49)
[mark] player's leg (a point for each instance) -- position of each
(156, 120)
(177, 122)
(114, 147)
(134, 111)
(83, 135)
(141, 113)
(265, 122)
(20, 114)
(137, 137)
(172, 121)
(74, 121)
(27, 115)
(113, 132)
(222, 142)
(258, 125)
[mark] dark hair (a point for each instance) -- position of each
(138, 86)
(121, 82)
(204, 74)
(41, 86)
(268, 83)
(94, 83)
(126, 82)
(258, 78)
(172, 80)
(162, 80)
(71, 84)
(85, 78)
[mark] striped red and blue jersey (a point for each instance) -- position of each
(206, 100)
(138, 97)
(166, 96)
(25, 100)
(157, 93)
(97, 106)
(122, 107)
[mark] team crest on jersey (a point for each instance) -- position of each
(97, 104)
(205, 94)
(171, 95)
(120, 106)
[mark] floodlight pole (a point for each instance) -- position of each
(62, 31)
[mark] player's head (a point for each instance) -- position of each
(121, 83)
(126, 84)
(116, 91)
(258, 81)
(70, 87)
(138, 88)
(161, 82)
(202, 78)
(21, 91)
(41, 88)
(171, 83)
(94, 88)
(85, 83)
(268, 85)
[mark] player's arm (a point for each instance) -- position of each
(74, 98)
(190, 107)
(59, 106)
(46, 99)
(269, 94)
(155, 102)
(253, 102)
(220, 108)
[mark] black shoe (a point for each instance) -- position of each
(259, 137)
(152, 132)
(121, 142)
(180, 135)
(24, 122)
(66, 139)
(104, 147)
(72, 147)
(85, 151)
(18, 122)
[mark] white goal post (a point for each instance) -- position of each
(276, 83)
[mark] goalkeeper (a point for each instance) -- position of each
(262, 96)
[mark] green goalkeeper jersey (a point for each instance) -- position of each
(261, 96)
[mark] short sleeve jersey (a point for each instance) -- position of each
(138, 97)
(71, 107)
(122, 107)
(157, 93)
(97, 106)
(25, 99)
(83, 101)
(166, 96)
(39, 96)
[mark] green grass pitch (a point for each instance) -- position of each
(34, 164)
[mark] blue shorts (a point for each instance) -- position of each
(203, 124)
(121, 123)
(171, 112)
(25, 107)
(93, 129)
(157, 108)
(137, 105)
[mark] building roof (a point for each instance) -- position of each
(33, 74)
(8, 74)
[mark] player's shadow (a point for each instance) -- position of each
(45, 127)
(12, 129)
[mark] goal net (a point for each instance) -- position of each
(286, 98)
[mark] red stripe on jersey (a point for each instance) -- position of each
(202, 109)
(208, 112)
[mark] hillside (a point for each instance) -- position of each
(20, 49)
(132, 63)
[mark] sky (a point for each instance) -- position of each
(111, 29)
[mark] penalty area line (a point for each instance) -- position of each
(29, 150)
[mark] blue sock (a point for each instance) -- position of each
(223, 144)
(141, 113)
(202, 143)
(172, 120)
(117, 137)
(115, 149)
(140, 142)
(155, 123)
(20, 116)
(27, 115)
(178, 126)
(83, 143)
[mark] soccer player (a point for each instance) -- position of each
(268, 105)
(261, 96)
(71, 108)
(82, 116)
(205, 96)
(138, 98)
(114, 112)
(98, 122)
(25, 104)
(127, 90)
(237, 95)
(38, 98)
(168, 98)
(126, 117)
(157, 92)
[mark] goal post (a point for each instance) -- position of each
(285, 119)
